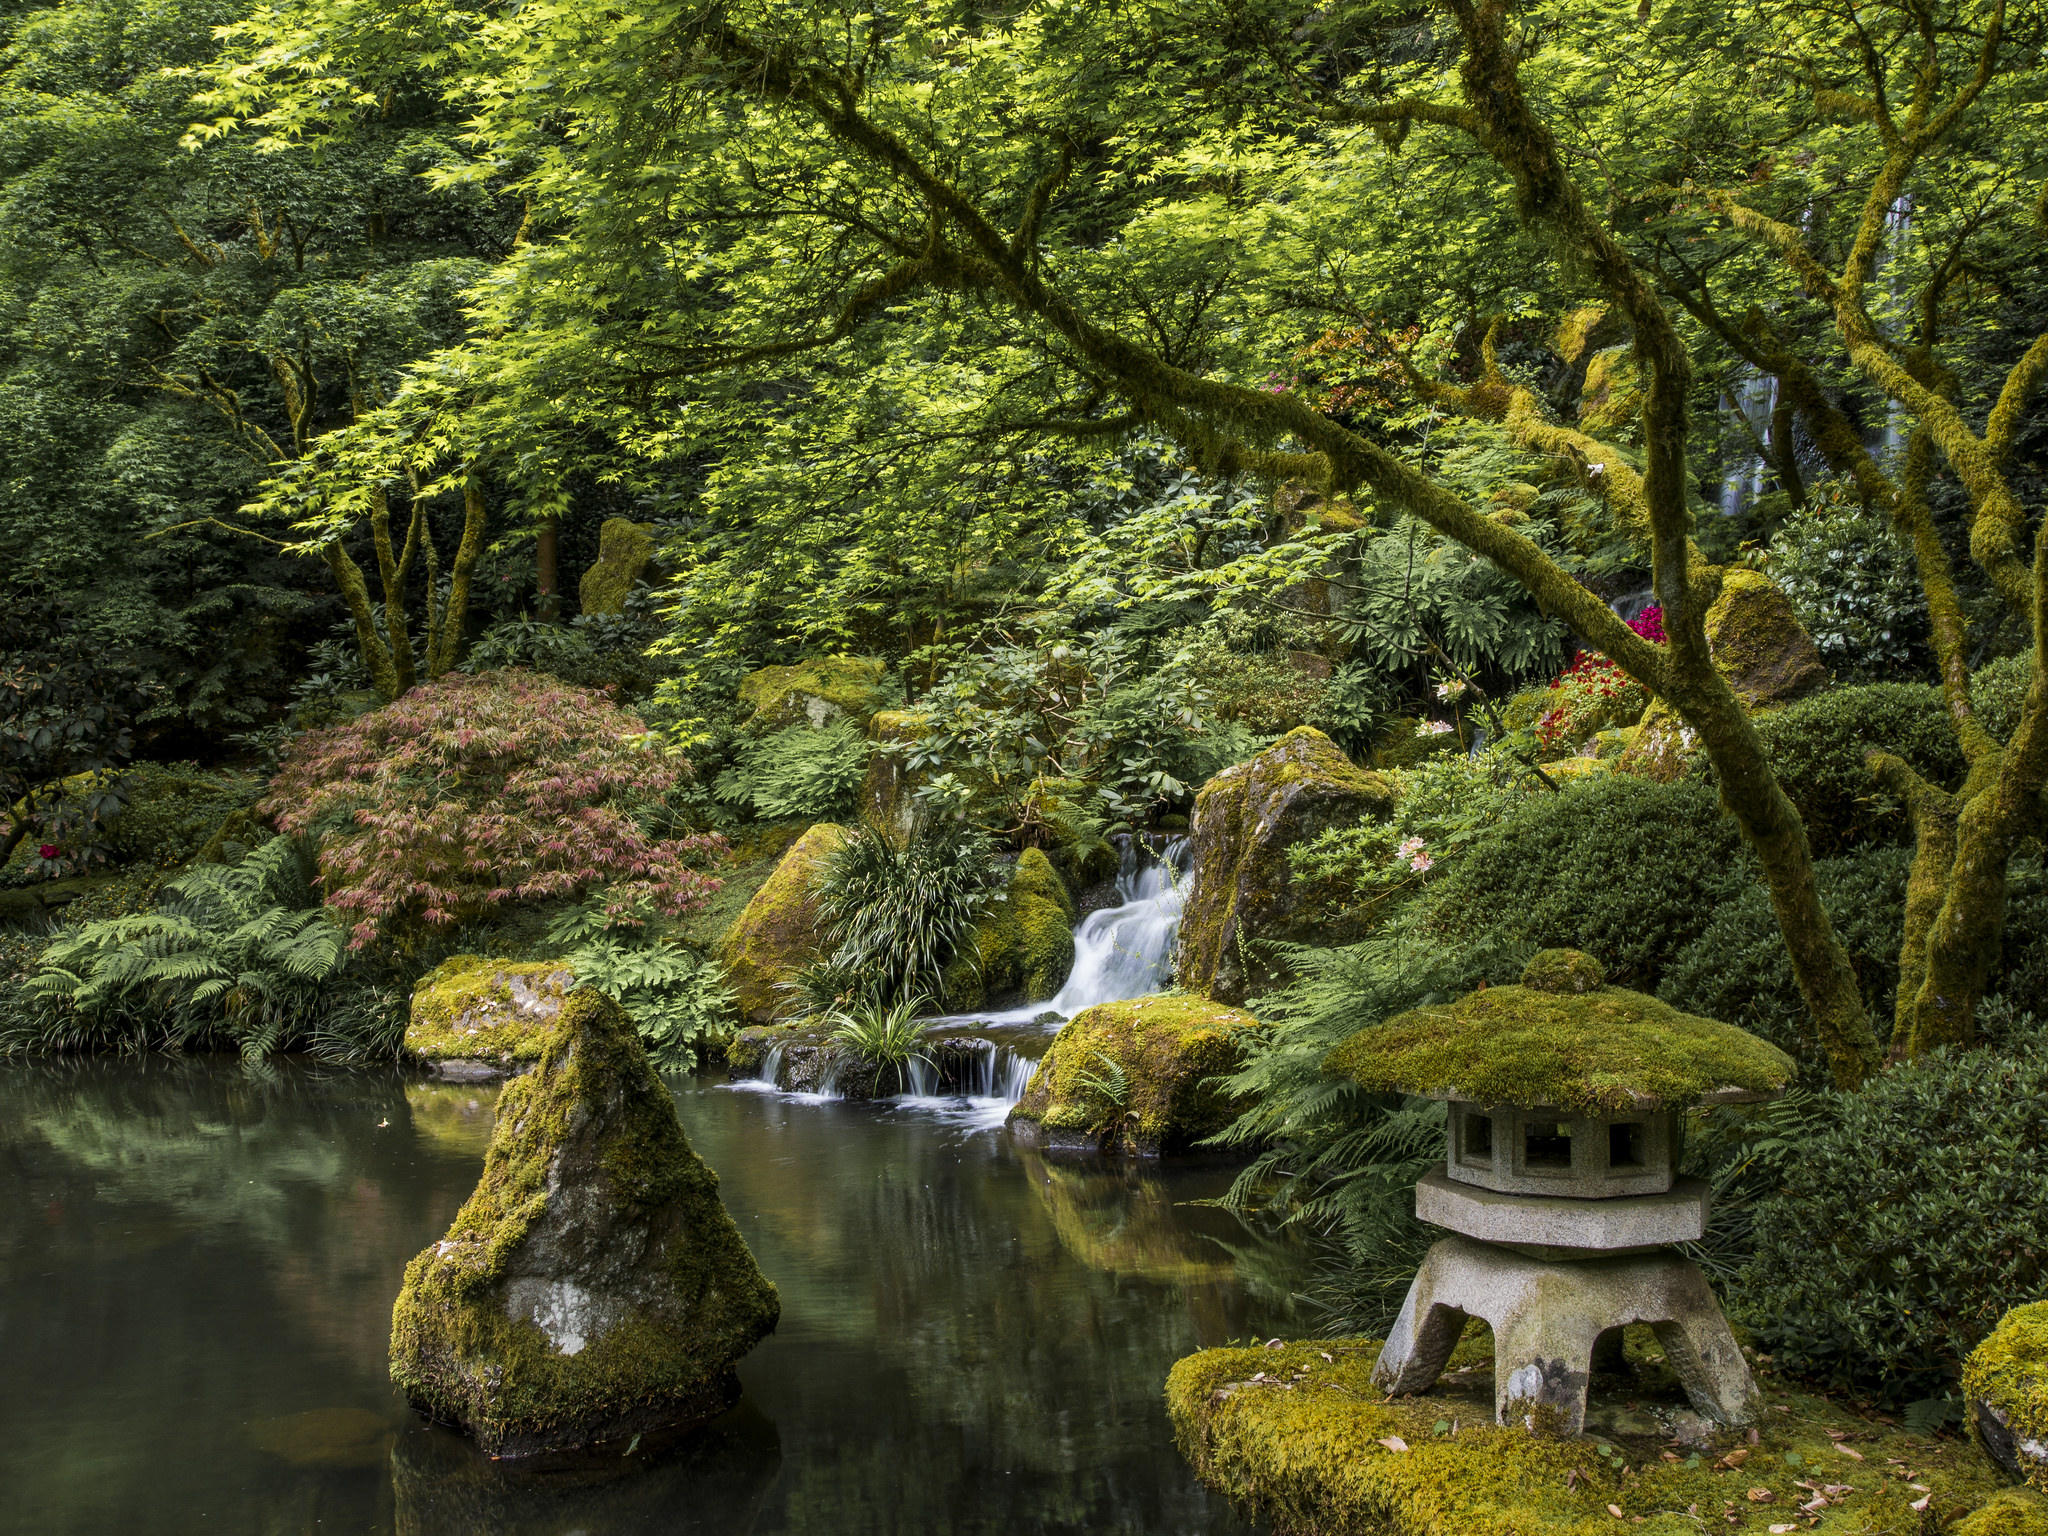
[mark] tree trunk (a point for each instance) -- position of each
(355, 591)
(546, 554)
(447, 643)
(391, 571)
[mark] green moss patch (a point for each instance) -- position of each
(2006, 1383)
(1594, 1053)
(1135, 1077)
(815, 690)
(624, 550)
(777, 933)
(1023, 946)
(1301, 1437)
(471, 1008)
(593, 1286)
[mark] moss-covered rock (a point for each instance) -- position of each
(1554, 1042)
(777, 934)
(1301, 1437)
(474, 1016)
(1758, 645)
(816, 691)
(624, 551)
(2015, 1512)
(593, 1287)
(888, 793)
(1403, 743)
(1023, 947)
(2005, 1382)
(1242, 892)
(1134, 1077)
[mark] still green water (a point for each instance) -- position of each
(197, 1265)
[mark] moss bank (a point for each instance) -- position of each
(1301, 1437)
(777, 932)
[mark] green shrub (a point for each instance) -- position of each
(1999, 688)
(1626, 869)
(677, 1000)
(1852, 583)
(1817, 745)
(894, 913)
(173, 810)
(238, 954)
(801, 772)
(1738, 970)
(1909, 1223)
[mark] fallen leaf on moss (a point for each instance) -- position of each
(1393, 1442)
(1761, 1495)
(1614, 1510)
(1849, 1451)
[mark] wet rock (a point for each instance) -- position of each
(474, 1018)
(1134, 1078)
(778, 934)
(2005, 1385)
(1023, 946)
(816, 691)
(806, 1059)
(624, 551)
(1242, 892)
(593, 1287)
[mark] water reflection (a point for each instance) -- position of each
(197, 1267)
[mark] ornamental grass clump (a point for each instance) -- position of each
(471, 793)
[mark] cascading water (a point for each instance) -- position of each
(1121, 951)
(1127, 950)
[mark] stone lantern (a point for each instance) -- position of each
(1567, 1100)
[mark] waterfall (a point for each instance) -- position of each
(1127, 950)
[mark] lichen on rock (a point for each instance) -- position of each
(778, 933)
(593, 1287)
(624, 551)
(1554, 1043)
(2005, 1384)
(1135, 1077)
(815, 691)
(474, 1016)
(1242, 891)
(1023, 946)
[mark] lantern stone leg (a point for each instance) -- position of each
(1548, 1314)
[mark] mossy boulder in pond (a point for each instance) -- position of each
(1134, 1077)
(1242, 892)
(1557, 1042)
(624, 551)
(1023, 947)
(474, 1017)
(2005, 1384)
(593, 1287)
(816, 691)
(777, 933)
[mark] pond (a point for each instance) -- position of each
(197, 1264)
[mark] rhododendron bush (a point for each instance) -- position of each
(472, 792)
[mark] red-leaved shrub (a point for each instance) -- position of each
(475, 791)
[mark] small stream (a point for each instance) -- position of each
(197, 1265)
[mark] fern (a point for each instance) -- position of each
(235, 954)
(798, 773)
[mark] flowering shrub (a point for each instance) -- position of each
(1594, 694)
(472, 792)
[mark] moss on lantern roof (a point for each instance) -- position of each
(1557, 1042)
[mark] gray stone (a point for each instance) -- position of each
(1546, 1318)
(1546, 1226)
(1542, 1152)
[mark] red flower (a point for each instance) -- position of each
(50, 851)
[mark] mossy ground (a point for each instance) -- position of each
(462, 1010)
(461, 1358)
(776, 934)
(1299, 1435)
(2009, 1373)
(1595, 1053)
(1135, 1076)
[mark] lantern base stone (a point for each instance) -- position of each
(1546, 1316)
